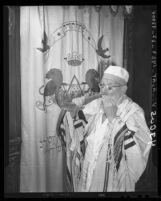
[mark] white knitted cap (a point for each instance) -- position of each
(117, 71)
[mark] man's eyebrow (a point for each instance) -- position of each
(107, 80)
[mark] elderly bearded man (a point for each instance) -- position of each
(117, 139)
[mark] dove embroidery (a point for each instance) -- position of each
(45, 45)
(100, 51)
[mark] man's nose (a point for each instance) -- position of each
(104, 91)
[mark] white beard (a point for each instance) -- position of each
(108, 101)
(109, 106)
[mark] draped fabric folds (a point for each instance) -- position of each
(65, 38)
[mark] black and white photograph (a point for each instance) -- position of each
(82, 101)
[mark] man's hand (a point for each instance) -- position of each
(72, 108)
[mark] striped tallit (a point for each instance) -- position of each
(71, 133)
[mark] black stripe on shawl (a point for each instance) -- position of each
(82, 116)
(118, 156)
(60, 121)
(83, 147)
(78, 125)
(106, 177)
(68, 175)
(118, 143)
(62, 134)
(78, 156)
(119, 159)
(69, 180)
(62, 140)
(119, 132)
(62, 130)
(129, 145)
(129, 136)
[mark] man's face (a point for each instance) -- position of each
(110, 91)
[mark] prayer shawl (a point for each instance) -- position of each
(71, 133)
(116, 154)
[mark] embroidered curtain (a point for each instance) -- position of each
(64, 38)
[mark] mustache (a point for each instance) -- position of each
(106, 97)
(104, 93)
